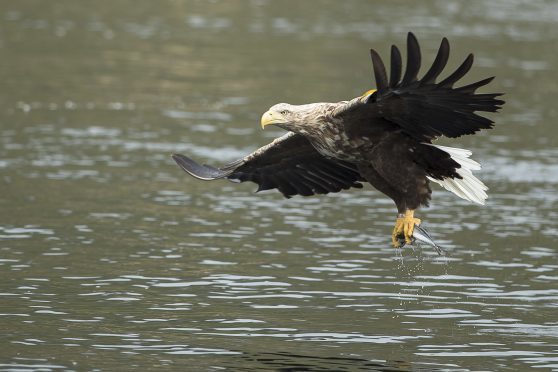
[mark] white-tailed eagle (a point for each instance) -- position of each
(383, 137)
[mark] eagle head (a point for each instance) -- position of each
(281, 115)
(294, 118)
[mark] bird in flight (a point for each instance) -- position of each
(383, 137)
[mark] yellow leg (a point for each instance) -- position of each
(404, 226)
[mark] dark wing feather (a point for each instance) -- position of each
(439, 63)
(396, 65)
(289, 164)
(413, 60)
(423, 108)
(379, 71)
(458, 74)
(202, 172)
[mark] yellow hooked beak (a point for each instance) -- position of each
(271, 117)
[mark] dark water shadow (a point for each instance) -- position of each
(289, 362)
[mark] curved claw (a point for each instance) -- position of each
(404, 227)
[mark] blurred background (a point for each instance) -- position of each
(111, 258)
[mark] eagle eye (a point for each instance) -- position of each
(284, 112)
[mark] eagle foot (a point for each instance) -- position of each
(404, 227)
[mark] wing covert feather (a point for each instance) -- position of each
(289, 163)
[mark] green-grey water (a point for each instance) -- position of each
(111, 258)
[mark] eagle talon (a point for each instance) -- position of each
(403, 230)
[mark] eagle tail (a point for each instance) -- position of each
(467, 187)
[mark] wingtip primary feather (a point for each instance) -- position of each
(413, 59)
(396, 65)
(471, 88)
(202, 172)
(459, 72)
(439, 63)
(379, 71)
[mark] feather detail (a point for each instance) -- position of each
(439, 63)
(424, 108)
(413, 60)
(379, 71)
(396, 64)
(467, 187)
(459, 73)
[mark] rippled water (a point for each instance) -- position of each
(112, 259)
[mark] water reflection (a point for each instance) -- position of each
(283, 361)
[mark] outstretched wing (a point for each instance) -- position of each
(422, 107)
(289, 163)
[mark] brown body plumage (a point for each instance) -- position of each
(383, 137)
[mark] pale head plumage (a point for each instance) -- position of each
(296, 118)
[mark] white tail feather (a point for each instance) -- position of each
(468, 187)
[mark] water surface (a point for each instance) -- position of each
(112, 259)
